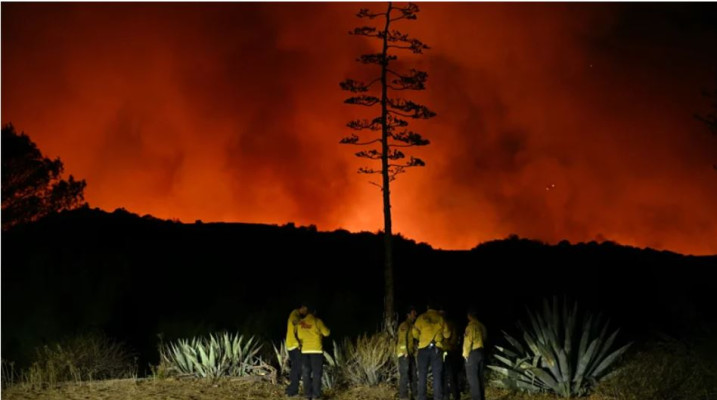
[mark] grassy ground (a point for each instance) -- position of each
(196, 389)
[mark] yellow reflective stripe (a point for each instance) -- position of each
(312, 351)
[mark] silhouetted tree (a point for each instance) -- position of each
(31, 183)
(392, 121)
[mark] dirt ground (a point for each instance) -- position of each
(197, 389)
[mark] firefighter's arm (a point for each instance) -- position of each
(416, 331)
(401, 337)
(467, 341)
(291, 325)
(323, 329)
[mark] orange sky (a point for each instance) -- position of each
(232, 112)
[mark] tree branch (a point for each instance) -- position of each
(355, 86)
(395, 155)
(394, 122)
(363, 100)
(413, 162)
(365, 13)
(408, 12)
(376, 184)
(415, 81)
(376, 59)
(359, 124)
(364, 170)
(401, 114)
(354, 139)
(415, 45)
(417, 111)
(371, 154)
(410, 137)
(364, 31)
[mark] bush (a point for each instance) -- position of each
(666, 369)
(370, 361)
(214, 357)
(554, 357)
(82, 358)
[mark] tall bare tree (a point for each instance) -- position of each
(388, 148)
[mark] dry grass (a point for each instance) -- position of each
(370, 361)
(223, 389)
(151, 389)
(82, 358)
(667, 370)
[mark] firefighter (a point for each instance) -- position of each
(474, 355)
(292, 346)
(406, 352)
(310, 331)
(430, 329)
(451, 361)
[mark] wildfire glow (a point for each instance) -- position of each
(555, 121)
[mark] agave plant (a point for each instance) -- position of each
(334, 366)
(215, 356)
(550, 359)
(282, 358)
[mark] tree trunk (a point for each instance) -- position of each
(388, 234)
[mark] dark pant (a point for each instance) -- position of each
(295, 372)
(451, 366)
(432, 356)
(312, 369)
(474, 373)
(407, 376)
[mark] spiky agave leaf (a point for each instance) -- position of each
(513, 342)
(607, 361)
(551, 360)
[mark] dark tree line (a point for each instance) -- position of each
(32, 184)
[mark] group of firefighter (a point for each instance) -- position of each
(422, 341)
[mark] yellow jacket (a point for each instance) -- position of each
(310, 331)
(404, 344)
(451, 343)
(430, 326)
(291, 341)
(474, 337)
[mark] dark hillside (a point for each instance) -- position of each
(135, 277)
